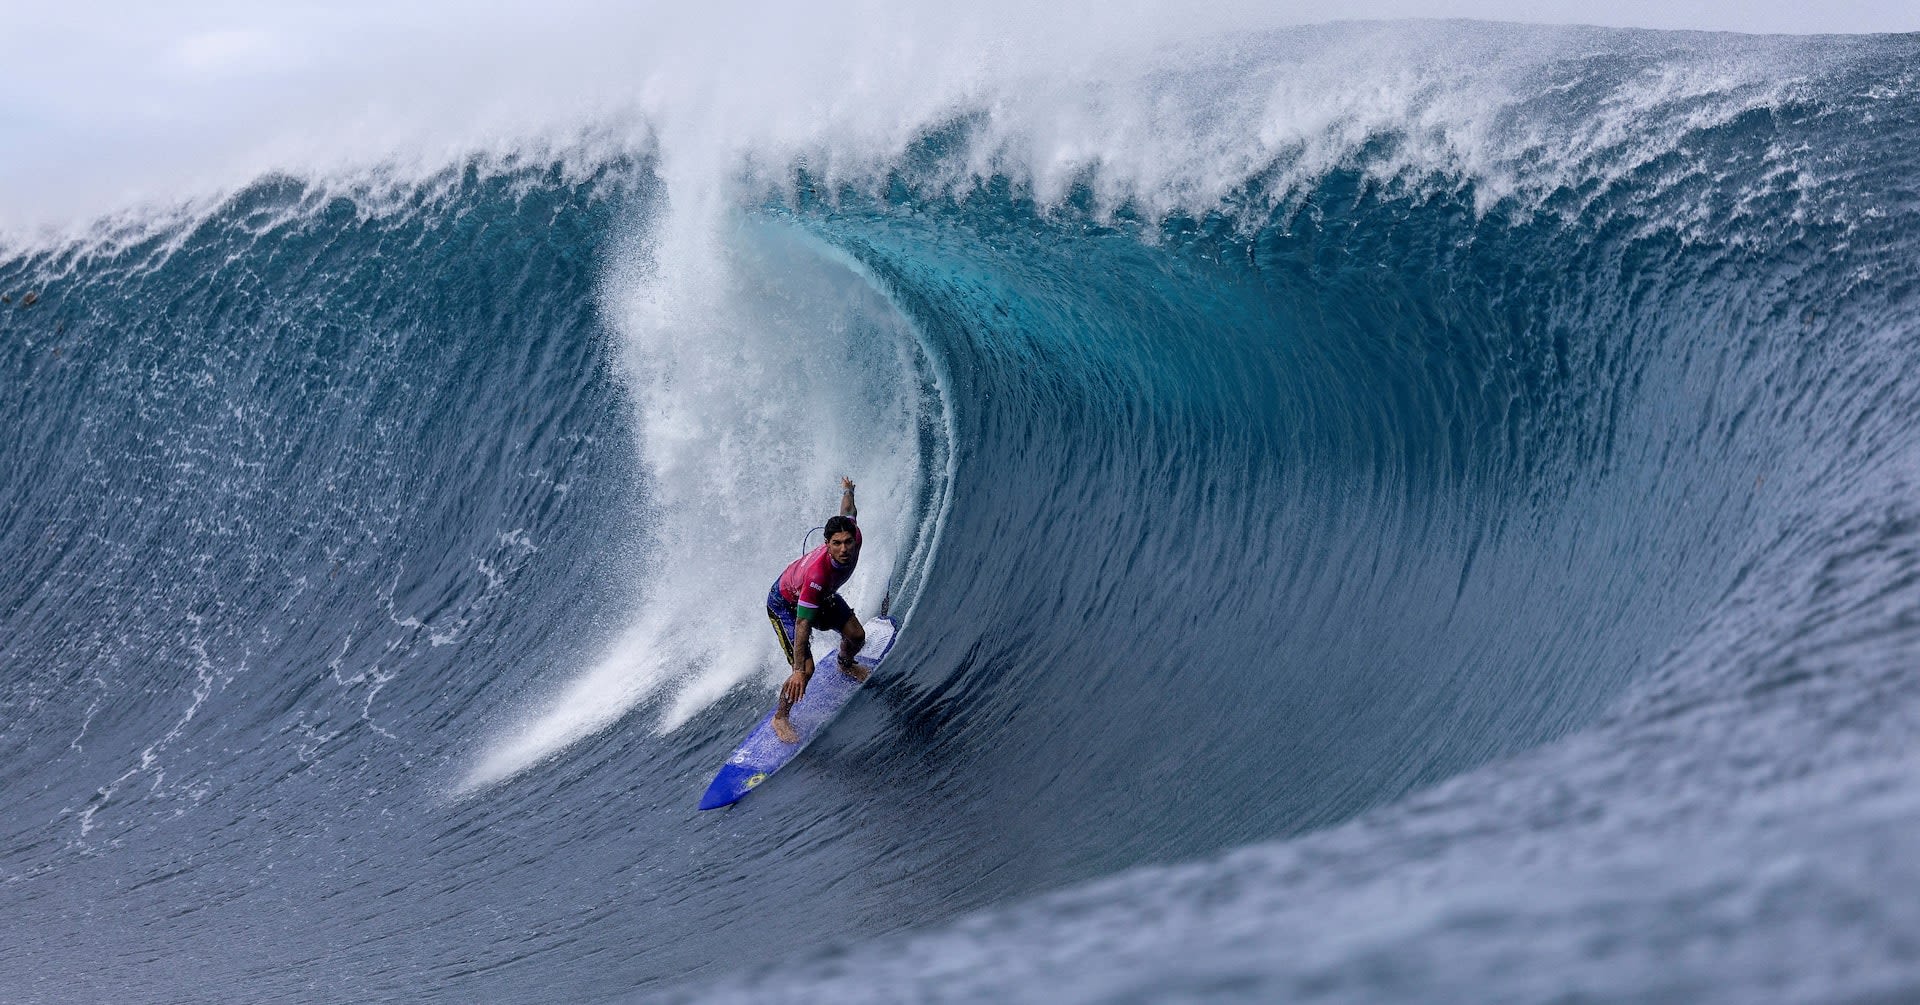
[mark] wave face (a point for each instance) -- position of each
(1481, 543)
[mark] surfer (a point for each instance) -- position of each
(806, 597)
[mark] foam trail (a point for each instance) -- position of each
(627, 675)
(760, 369)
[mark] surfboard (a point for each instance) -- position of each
(762, 753)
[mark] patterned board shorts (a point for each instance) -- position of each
(830, 616)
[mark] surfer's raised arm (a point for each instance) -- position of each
(846, 498)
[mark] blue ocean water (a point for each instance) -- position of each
(1437, 571)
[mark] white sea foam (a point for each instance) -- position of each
(761, 370)
(101, 110)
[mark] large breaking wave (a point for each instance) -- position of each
(1466, 470)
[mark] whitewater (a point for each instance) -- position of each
(1392, 510)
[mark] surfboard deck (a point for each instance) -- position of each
(761, 753)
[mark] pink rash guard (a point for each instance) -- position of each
(813, 578)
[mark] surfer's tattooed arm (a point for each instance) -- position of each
(796, 684)
(846, 498)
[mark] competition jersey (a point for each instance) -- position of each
(813, 578)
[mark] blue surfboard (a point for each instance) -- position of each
(762, 753)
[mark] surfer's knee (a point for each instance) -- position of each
(855, 635)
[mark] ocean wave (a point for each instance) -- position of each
(1447, 484)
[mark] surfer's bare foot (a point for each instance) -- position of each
(854, 670)
(783, 729)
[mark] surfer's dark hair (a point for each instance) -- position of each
(837, 524)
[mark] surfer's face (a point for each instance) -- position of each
(839, 546)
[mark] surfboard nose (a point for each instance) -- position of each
(732, 782)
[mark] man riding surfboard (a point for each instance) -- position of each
(807, 597)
